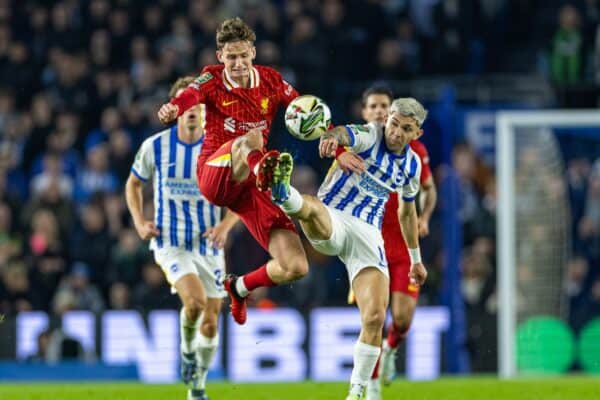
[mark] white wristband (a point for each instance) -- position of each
(415, 256)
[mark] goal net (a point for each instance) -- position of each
(533, 245)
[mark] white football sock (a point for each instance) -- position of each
(207, 348)
(365, 358)
(240, 287)
(294, 203)
(187, 331)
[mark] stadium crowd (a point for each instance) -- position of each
(80, 83)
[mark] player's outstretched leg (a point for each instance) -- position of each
(238, 304)
(280, 187)
(265, 169)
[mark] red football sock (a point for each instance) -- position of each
(375, 374)
(254, 158)
(257, 278)
(395, 336)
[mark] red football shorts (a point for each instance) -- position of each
(255, 208)
(399, 267)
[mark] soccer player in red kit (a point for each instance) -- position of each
(241, 101)
(375, 105)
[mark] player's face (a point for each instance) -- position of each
(399, 131)
(237, 57)
(376, 108)
(192, 117)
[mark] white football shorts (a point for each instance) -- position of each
(358, 244)
(176, 263)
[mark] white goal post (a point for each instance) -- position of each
(506, 124)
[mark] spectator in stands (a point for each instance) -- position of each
(15, 291)
(97, 175)
(90, 243)
(80, 293)
(567, 48)
(47, 257)
(153, 292)
(119, 297)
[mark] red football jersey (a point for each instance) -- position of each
(390, 227)
(231, 110)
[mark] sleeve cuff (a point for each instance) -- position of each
(408, 199)
(351, 134)
(141, 178)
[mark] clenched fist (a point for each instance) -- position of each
(168, 113)
(417, 274)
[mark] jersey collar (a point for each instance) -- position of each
(231, 84)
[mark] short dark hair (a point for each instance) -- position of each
(234, 30)
(379, 89)
(180, 83)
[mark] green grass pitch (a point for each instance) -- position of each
(558, 388)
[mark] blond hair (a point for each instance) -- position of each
(180, 83)
(409, 107)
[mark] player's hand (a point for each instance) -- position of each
(168, 112)
(423, 225)
(417, 274)
(351, 162)
(147, 230)
(217, 235)
(327, 146)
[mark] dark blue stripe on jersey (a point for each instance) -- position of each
(336, 188)
(413, 168)
(389, 170)
(187, 162)
(137, 174)
(373, 212)
(172, 151)
(187, 216)
(213, 222)
(201, 226)
(349, 197)
(358, 209)
(351, 135)
(159, 213)
(173, 223)
(380, 152)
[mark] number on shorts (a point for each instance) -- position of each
(219, 276)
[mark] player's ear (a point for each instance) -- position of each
(253, 52)
(220, 56)
(420, 133)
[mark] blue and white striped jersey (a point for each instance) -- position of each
(364, 196)
(181, 213)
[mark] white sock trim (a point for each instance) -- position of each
(241, 287)
(294, 203)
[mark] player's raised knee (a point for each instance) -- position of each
(295, 268)
(254, 139)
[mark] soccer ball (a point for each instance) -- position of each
(307, 117)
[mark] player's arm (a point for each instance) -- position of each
(349, 161)
(428, 200)
(409, 223)
(357, 137)
(218, 234)
(191, 96)
(407, 216)
(135, 203)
